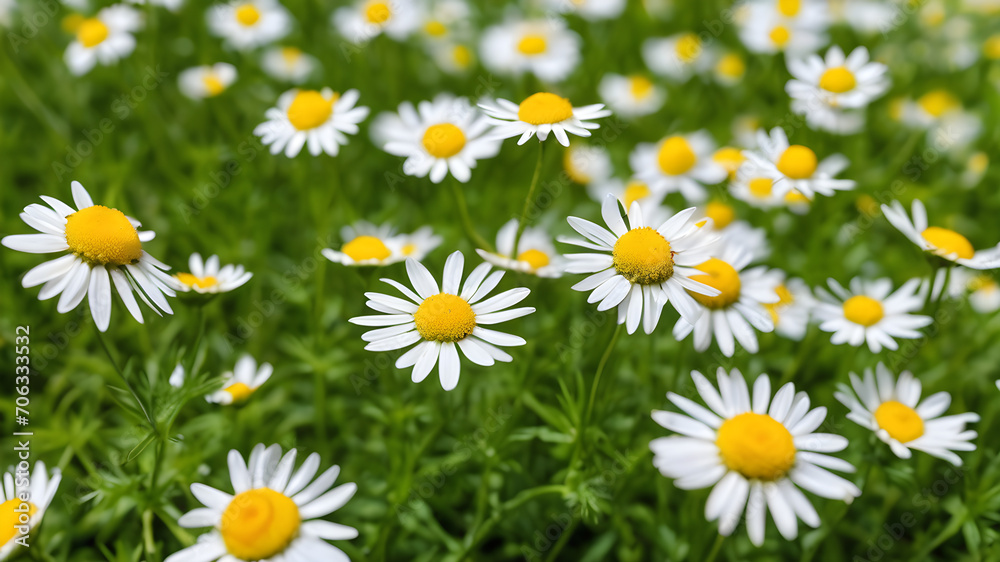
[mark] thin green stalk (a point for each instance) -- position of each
(522, 223)
(128, 385)
(463, 211)
(716, 547)
(563, 539)
(597, 378)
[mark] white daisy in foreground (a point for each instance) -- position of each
(893, 410)
(207, 277)
(756, 453)
(679, 163)
(23, 502)
(289, 64)
(365, 20)
(869, 313)
(541, 114)
(545, 48)
(677, 57)
(937, 240)
(101, 246)
(274, 514)
(591, 10)
(242, 381)
(105, 38)
(444, 320)
(639, 268)
(206, 81)
(792, 311)
(245, 25)
(319, 120)
(631, 96)
(586, 164)
(536, 253)
(437, 137)
(836, 80)
(795, 167)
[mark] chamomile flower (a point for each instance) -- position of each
(535, 252)
(592, 10)
(444, 320)
(242, 381)
(288, 64)
(866, 16)
(940, 241)
(245, 25)
(795, 167)
(790, 26)
(723, 222)
(417, 244)
(729, 69)
(319, 120)
(677, 57)
(893, 410)
(639, 268)
(984, 292)
(365, 20)
(825, 90)
(633, 190)
(274, 513)
(208, 277)
(206, 81)
(756, 452)
(367, 244)
(730, 158)
(23, 502)
(869, 313)
(755, 186)
(541, 114)
(679, 163)
(941, 114)
(631, 96)
(453, 58)
(586, 164)
(6, 9)
(100, 246)
(793, 310)
(545, 48)
(446, 135)
(445, 20)
(105, 38)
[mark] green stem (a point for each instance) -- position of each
(463, 211)
(716, 547)
(513, 503)
(522, 223)
(147, 535)
(597, 378)
(128, 385)
(566, 534)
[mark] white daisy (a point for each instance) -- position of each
(545, 48)
(105, 38)
(756, 453)
(791, 26)
(795, 167)
(866, 16)
(586, 164)
(288, 64)
(631, 191)
(6, 9)
(868, 313)
(206, 81)
(273, 516)
(677, 57)
(536, 253)
(24, 499)
(317, 119)
(836, 80)
(453, 58)
(631, 96)
(242, 381)
(367, 244)
(941, 114)
(937, 240)
(984, 293)
(541, 114)
(415, 245)
(247, 24)
(792, 312)
(755, 186)
(365, 20)
(592, 10)
(893, 410)
(101, 246)
(207, 277)
(730, 158)
(729, 69)
(444, 320)
(444, 21)
(679, 163)
(638, 268)
(437, 137)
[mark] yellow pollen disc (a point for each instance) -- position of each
(212, 84)
(103, 236)
(761, 187)
(461, 55)
(9, 518)
(643, 256)
(991, 47)
(789, 8)
(729, 158)
(291, 54)
(785, 298)
(718, 275)
(863, 310)
(366, 248)
(247, 15)
(867, 205)
(900, 421)
(435, 28)
(635, 191)
(722, 215)
(259, 524)
(688, 47)
(310, 109)
(409, 249)
(640, 86)
(532, 45)
(676, 156)
(378, 13)
(982, 283)
(72, 22)
(938, 102)
(91, 32)
(194, 281)
(731, 66)
(797, 162)
(838, 80)
(445, 318)
(239, 391)
(537, 259)
(444, 140)
(794, 197)
(780, 35)
(544, 108)
(757, 446)
(948, 242)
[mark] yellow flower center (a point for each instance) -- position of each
(722, 215)
(72, 22)
(378, 13)
(863, 310)
(640, 86)
(991, 47)
(461, 55)
(982, 283)
(900, 421)
(444, 318)
(949, 242)
(761, 187)
(718, 275)
(409, 249)
(435, 28)
(103, 236)
(867, 205)
(838, 80)
(259, 524)
(635, 191)
(544, 108)
(444, 140)
(730, 158)
(978, 163)
(366, 248)
(91, 32)
(212, 84)
(938, 102)
(688, 47)
(731, 66)
(247, 15)
(785, 298)
(780, 35)
(537, 259)
(192, 280)
(532, 45)
(9, 518)
(643, 256)
(757, 446)
(676, 156)
(789, 8)
(291, 54)
(239, 391)
(310, 109)
(794, 197)
(797, 162)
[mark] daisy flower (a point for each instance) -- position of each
(444, 320)
(417, 244)
(545, 48)
(730, 231)
(592, 10)
(941, 114)
(33, 495)
(865, 16)
(836, 80)
(207, 277)
(795, 167)
(443, 20)
(790, 26)
(757, 453)
(317, 119)
(679, 163)
(445, 135)
(729, 69)
(541, 114)
(367, 244)
(730, 158)
(105, 38)
(631, 191)
(269, 496)
(537, 254)
(755, 186)
(288, 64)
(677, 57)
(893, 410)
(242, 381)
(984, 292)
(631, 96)
(586, 164)
(245, 25)
(453, 58)
(206, 81)
(100, 246)
(365, 20)
(869, 313)
(793, 309)
(937, 240)
(638, 268)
